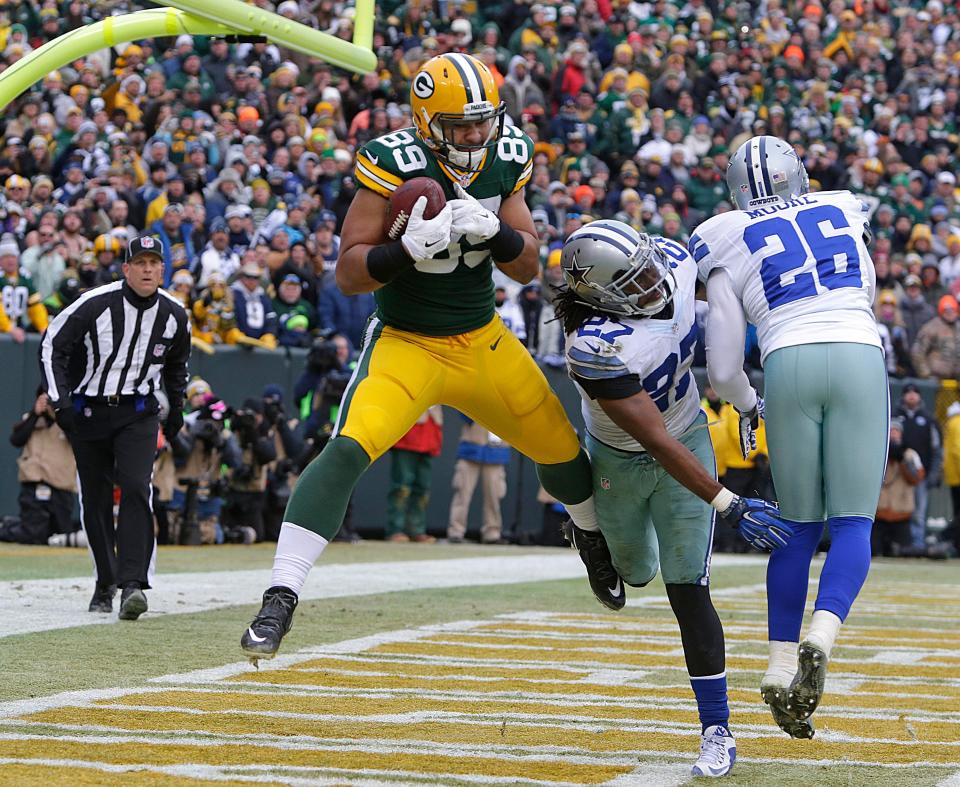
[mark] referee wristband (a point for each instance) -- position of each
(387, 261)
(507, 244)
(723, 500)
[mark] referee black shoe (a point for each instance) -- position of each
(263, 635)
(102, 600)
(133, 601)
(605, 582)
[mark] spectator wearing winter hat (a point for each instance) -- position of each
(256, 318)
(74, 188)
(288, 304)
(176, 234)
(217, 255)
(226, 190)
(239, 227)
(936, 352)
(933, 290)
(914, 307)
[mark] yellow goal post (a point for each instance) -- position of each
(195, 17)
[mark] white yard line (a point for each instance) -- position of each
(649, 723)
(47, 604)
(311, 777)
(669, 769)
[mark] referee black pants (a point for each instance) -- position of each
(116, 446)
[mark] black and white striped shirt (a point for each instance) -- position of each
(113, 342)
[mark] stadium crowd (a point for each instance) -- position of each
(240, 157)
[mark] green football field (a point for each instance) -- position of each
(417, 665)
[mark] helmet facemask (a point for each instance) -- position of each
(466, 158)
(642, 289)
(647, 286)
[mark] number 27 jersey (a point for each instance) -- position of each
(800, 268)
(652, 354)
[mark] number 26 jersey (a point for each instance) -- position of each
(800, 268)
(652, 354)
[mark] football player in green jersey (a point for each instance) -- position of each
(435, 337)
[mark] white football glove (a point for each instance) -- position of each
(424, 238)
(749, 423)
(471, 218)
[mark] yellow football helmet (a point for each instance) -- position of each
(106, 242)
(456, 90)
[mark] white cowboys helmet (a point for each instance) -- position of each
(613, 267)
(765, 170)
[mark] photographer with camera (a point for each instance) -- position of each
(281, 473)
(319, 391)
(47, 474)
(199, 450)
(247, 485)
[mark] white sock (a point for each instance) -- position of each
(782, 664)
(823, 630)
(584, 515)
(297, 551)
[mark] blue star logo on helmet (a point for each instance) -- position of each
(577, 274)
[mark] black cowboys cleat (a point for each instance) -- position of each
(102, 600)
(605, 582)
(806, 689)
(133, 602)
(777, 697)
(263, 635)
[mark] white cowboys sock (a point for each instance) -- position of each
(584, 515)
(782, 664)
(823, 630)
(297, 551)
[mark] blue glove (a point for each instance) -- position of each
(759, 523)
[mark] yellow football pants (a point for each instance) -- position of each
(486, 374)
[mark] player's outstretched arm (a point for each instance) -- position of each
(639, 417)
(757, 521)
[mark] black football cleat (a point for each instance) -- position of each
(777, 697)
(605, 582)
(133, 602)
(808, 684)
(262, 637)
(102, 600)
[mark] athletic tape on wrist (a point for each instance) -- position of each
(723, 500)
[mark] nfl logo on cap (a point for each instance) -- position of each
(145, 245)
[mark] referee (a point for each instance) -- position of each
(101, 361)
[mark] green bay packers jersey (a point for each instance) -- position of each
(453, 292)
(18, 295)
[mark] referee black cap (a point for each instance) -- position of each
(145, 245)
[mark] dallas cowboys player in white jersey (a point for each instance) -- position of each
(796, 265)
(628, 313)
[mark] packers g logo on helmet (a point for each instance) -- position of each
(454, 90)
(423, 85)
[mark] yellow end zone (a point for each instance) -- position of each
(535, 696)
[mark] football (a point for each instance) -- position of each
(403, 200)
